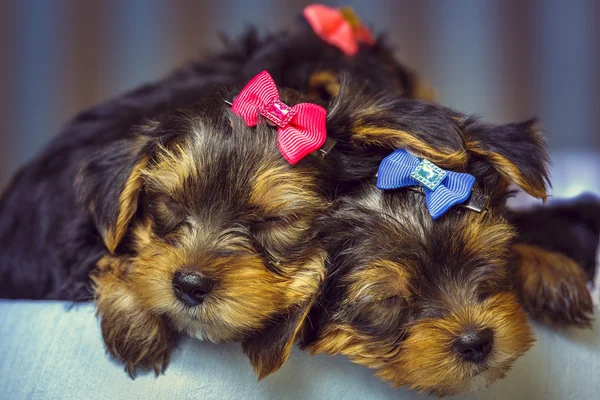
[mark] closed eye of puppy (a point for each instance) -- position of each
(430, 302)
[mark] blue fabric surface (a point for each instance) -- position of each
(49, 350)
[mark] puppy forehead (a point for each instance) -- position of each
(210, 160)
(404, 233)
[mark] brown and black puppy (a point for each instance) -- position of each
(431, 304)
(555, 254)
(186, 220)
(196, 224)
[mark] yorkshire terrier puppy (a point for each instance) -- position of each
(420, 283)
(173, 220)
(555, 254)
(195, 221)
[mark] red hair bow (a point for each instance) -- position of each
(341, 28)
(301, 128)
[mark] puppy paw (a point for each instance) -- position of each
(553, 287)
(143, 345)
(134, 335)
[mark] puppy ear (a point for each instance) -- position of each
(517, 152)
(109, 185)
(361, 121)
(552, 286)
(269, 349)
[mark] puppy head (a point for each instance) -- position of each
(428, 303)
(297, 58)
(501, 155)
(369, 124)
(217, 225)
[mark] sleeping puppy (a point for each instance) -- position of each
(420, 282)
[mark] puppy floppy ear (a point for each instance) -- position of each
(109, 184)
(368, 125)
(517, 152)
(269, 349)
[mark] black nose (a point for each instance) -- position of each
(475, 345)
(191, 287)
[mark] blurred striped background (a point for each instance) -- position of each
(502, 59)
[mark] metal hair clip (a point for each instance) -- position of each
(326, 149)
(477, 202)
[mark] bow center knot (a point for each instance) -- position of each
(428, 174)
(278, 112)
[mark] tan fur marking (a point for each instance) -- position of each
(489, 235)
(274, 188)
(378, 281)
(327, 80)
(131, 333)
(393, 139)
(510, 171)
(172, 168)
(422, 90)
(128, 200)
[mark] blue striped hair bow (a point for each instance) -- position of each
(443, 189)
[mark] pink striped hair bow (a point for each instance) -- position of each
(301, 128)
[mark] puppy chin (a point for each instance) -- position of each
(199, 332)
(483, 379)
(205, 331)
(478, 383)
